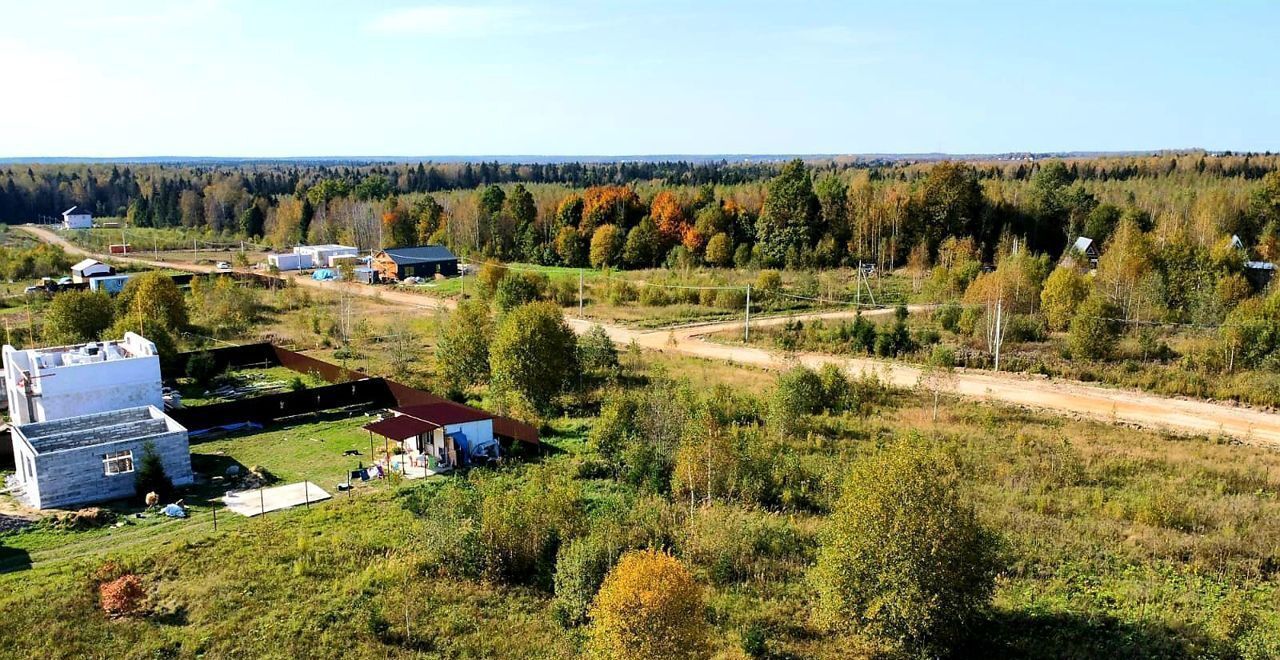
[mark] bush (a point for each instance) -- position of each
(1094, 330)
(798, 394)
(202, 368)
(948, 316)
(731, 299)
(648, 607)
(564, 290)
(516, 289)
(654, 296)
(1025, 327)
(731, 544)
(621, 292)
(596, 351)
(904, 559)
(581, 567)
(151, 477)
(534, 354)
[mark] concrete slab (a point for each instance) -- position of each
(265, 500)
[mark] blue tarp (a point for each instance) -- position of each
(323, 274)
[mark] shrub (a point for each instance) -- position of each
(581, 567)
(621, 292)
(731, 299)
(462, 352)
(596, 351)
(1094, 330)
(948, 316)
(516, 289)
(648, 607)
(904, 559)
(654, 296)
(202, 368)
(151, 477)
(798, 394)
(732, 544)
(534, 354)
(564, 290)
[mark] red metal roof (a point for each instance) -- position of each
(401, 427)
(444, 413)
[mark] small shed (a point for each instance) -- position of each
(77, 218)
(364, 275)
(422, 261)
(90, 268)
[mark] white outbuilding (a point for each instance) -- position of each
(88, 269)
(77, 218)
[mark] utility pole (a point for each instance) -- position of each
(746, 327)
(999, 330)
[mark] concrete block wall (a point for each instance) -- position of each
(75, 476)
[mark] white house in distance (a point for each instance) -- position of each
(45, 384)
(312, 256)
(77, 218)
(88, 269)
(323, 256)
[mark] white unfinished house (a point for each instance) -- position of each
(82, 416)
(93, 458)
(45, 384)
(76, 218)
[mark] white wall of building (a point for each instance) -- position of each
(77, 221)
(59, 388)
(290, 261)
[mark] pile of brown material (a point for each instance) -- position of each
(122, 596)
(90, 518)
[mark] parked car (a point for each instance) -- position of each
(65, 281)
(222, 265)
(33, 289)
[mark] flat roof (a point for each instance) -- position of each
(444, 413)
(95, 429)
(401, 427)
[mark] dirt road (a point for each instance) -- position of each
(1103, 403)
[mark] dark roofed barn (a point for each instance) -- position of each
(421, 261)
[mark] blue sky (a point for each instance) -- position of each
(257, 78)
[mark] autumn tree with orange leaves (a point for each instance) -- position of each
(669, 217)
(610, 205)
(398, 226)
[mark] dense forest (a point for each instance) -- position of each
(798, 215)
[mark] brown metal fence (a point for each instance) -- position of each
(348, 388)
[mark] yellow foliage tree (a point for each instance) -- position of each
(649, 607)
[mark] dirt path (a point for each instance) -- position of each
(1103, 403)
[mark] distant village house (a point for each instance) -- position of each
(425, 261)
(77, 218)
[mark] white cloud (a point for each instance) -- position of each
(453, 21)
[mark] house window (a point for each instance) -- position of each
(117, 462)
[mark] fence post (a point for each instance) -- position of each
(746, 327)
(215, 517)
(262, 502)
(306, 494)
